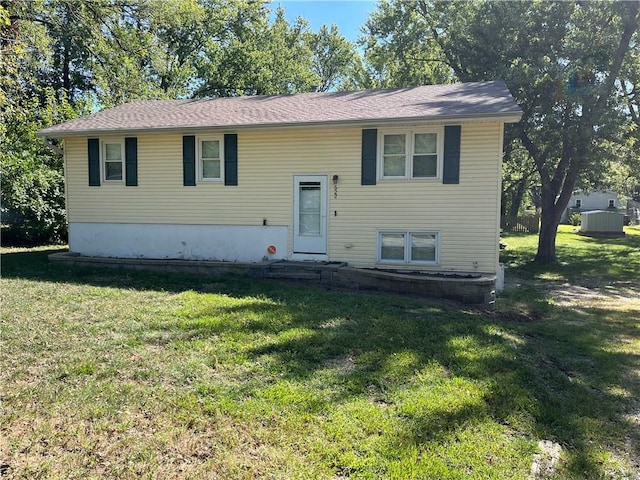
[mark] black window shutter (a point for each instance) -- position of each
(93, 146)
(231, 159)
(189, 160)
(451, 170)
(369, 156)
(131, 161)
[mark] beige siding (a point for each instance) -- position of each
(464, 214)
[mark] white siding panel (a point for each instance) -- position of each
(190, 242)
(464, 214)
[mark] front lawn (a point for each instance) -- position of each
(127, 374)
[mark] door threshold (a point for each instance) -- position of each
(310, 256)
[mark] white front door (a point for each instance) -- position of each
(310, 214)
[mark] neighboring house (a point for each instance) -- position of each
(403, 178)
(585, 202)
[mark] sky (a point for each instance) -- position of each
(348, 15)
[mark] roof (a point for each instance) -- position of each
(431, 102)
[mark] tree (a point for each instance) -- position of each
(559, 59)
(278, 57)
(623, 161)
(335, 59)
(626, 170)
(259, 59)
(32, 195)
(518, 178)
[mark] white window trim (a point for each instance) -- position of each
(103, 159)
(578, 203)
(612, 203)
(199, 168)
(409, 146)
(407, 247)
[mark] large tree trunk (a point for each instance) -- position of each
(554, 203)
(547, 240)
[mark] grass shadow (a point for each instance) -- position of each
(555, 377)
(540, 370)
(581, 260)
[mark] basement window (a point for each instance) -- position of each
(409, 247)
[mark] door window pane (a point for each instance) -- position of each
(309, 210)
(423, 247)
(392, 246)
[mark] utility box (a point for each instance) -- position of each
(602, 222)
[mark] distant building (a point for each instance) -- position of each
(585, 202)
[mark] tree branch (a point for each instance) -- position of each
(631, 25)
(536, 154)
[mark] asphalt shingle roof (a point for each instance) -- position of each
(432, 102)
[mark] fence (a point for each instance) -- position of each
(520, 223)
(633, 212)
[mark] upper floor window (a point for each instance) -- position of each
(113, 160)
(210, 156)
(411, 154)
(578, 203)
(612, 204)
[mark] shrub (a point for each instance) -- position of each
(32, 195)
(575, 219)
(33, 210)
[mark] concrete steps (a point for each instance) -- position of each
(289, 270)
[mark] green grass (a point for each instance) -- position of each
(127, 374)
(580, 259)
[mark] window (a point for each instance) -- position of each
(113, 160)
(425, 155)
(394, 157)
(411, 154)
(210, 163)
(612, 204)
(578, 203)
(392, 246)
(408, 247)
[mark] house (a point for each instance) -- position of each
(401, 179)
(581, 201)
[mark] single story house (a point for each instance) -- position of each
(582, 201)
(402, 179)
